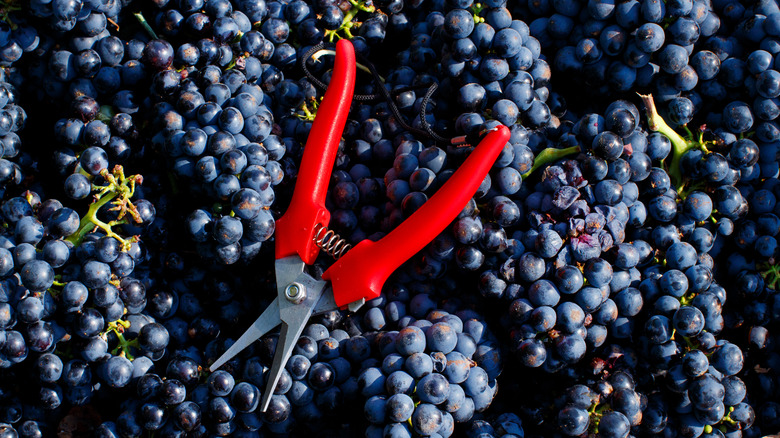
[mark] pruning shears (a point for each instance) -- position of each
(359, 272)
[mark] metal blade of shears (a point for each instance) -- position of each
(288, 337)
(287, 270)
(297, 300)
(267, 321)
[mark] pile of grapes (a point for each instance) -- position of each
(616, 274)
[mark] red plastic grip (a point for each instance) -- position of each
(363, 270)
(295, 229)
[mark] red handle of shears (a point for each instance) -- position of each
(295, 229)
(363, 270)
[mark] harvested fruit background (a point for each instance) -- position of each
(615, 275)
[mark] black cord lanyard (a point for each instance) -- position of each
(385, 94)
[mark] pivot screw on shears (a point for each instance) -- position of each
(295, 292)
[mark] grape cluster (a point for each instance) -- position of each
(505, 424)
(15, 161)
(435, 372)
(611, 46)
(215, 127)
(616, 273)
(18, 36)
(496, 65)
(236, 175)
(69, 293)
(610, 407)
(159, 403)
(574, 265)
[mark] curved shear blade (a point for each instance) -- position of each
(288, 337)
(267, 321)
(294, 318)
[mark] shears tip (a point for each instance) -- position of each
(219, 362)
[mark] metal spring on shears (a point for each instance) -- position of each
(330, 242)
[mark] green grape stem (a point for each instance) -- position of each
(308, 110)
(10, 5)
(90, 221)
(145, 24)
(56, 288)
(238, 60)
(550, 155)
(123, 345)
(680, 146)
(686, 189)
(118, 191)
(596, 412)
(174, 185)
(727, 420)
(6, 8)
(233, 63)
(348, 23)
(106, 113)
(688, 343)
(476, 10)
(771, 274)
(64, 350)
(687, 299)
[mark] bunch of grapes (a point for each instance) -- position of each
(615, 274)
